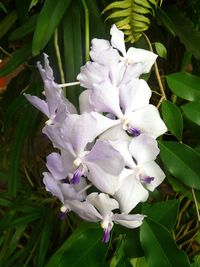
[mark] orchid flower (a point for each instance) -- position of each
(56, 106)
(99, 207)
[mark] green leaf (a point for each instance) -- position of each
(49, 18)
(33, 3)
(166, 21)
(192, 111)
(86, 241)
(172, 118)
(2, 7)
(25, 29)
(159, 247)
(7, 23)
(182, 162)
(164, 212)
(184, 29)
(184, 85)
(18, 58)
(161, 50)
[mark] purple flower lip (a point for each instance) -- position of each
(62, 216)
(77, 175)
(133, 131)
(106, 235)
(147, 179)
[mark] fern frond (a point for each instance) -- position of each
(131, 16)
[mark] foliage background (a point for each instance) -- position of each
(31, 233)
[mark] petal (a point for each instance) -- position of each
(38, 103)
(138, 55)
(85, 210)
(92, 73)
(84, 102)
(102, 202)
(115, 133)
(117, 39)
(105, 98)
(134, 95)
(129, 220)
(143, 148)
(148, 121)
(106, 157)
(152, 169)
(130, 192)
(52, 185)
(79, 130)
(55, 166)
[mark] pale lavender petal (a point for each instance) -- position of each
(130, 192)
(116, 133)
(55, 166)
(138, 55)
(151, 169)
(144, 148)
(102, 202)
(52, 186)
(78, 130)
(129, 220)
(134, 95)
(85, 210)
(38, 103)
(105, 98)
(117, 39)
(84, 102)
(148, 121)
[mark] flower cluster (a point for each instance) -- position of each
(106, 164)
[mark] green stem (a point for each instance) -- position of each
(161, 87)
(57, 50)
(196, 204)
(87, 30)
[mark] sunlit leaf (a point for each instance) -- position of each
(161, 50)
(182, 162)
(172, 118)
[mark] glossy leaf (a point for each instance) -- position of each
(86, 241)
(7, 22)
(172, 118)
(161, 50)
(49, 18)
(182, 162)
(18, 58)
(160, 248)
(164, 212)
(25, 29)
(192, 111)
(184, 85)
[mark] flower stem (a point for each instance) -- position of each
(87, 31)
(196, 204)
(68, 84)
(161, 87)
(57, 50)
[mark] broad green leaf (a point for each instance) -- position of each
(192, 111)
(139, 262)
(161, 50)
(25, 29)
(86, 241)
(182, 162)
(166, 21)
(48, 20)
(184, 85)
(159, 247)
(184, 29)
(172, 118)
(18, 58)
(7, 22)
(2, 7)
(73, 50)
(164, 212)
